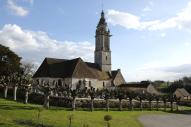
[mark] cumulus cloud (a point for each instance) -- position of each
(16, 9)
(131, 21)
(36, 45)
(159, 73)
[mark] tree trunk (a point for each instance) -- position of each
(92, 104)
(5, 91)
(164, 106)
(177, 109)
(74, 104)
(120, 105)
(171, 106)
(46, 101)
(70, 123)
(26, 97)
(108, 124)
(131, 104)
(141, 105)
(150, 105)
(107, 104)
(15, 93)
(157, 105)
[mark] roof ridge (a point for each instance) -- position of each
(78, 61)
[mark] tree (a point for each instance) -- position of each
(92, 94)
(46, 89)
(141, 97)
(106, 95)
(176, 84)
(70, 117)
(177, 99)
(26, 78)
(150, 98)
(74, 94)
(131, 95)
(9, 61)
(120, 94)
(164, 98)
(171, 100)
(26, 86)
(107, 118)
(157, 98)
(9, 66)
(15, 82)
(5, 81)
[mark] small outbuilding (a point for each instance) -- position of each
(139, 87)
(182, 93)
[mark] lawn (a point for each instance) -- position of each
(14, 114)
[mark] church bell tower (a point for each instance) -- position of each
(102, 45)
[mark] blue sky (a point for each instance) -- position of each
(151, 38)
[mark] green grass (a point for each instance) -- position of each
(11, 112)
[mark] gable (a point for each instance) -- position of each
(118, 78)
(82, 70)
(181, 92)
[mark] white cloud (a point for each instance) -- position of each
(131, 21)
(159, 72)
(36, 45)
(17, 10)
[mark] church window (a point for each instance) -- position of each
(54, 82)
(90, 84)
(59, 82)
(103, 84)
(80, 82)
(106, 58)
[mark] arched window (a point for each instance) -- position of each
(80, 82)
(90, 85)
(103, 84)
(59, 82)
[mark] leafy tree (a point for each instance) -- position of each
(9, 61)
(176, 84)
(9, 67)
(107, 118)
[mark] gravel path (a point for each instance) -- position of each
(171, 120)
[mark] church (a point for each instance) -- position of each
(79, 73)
